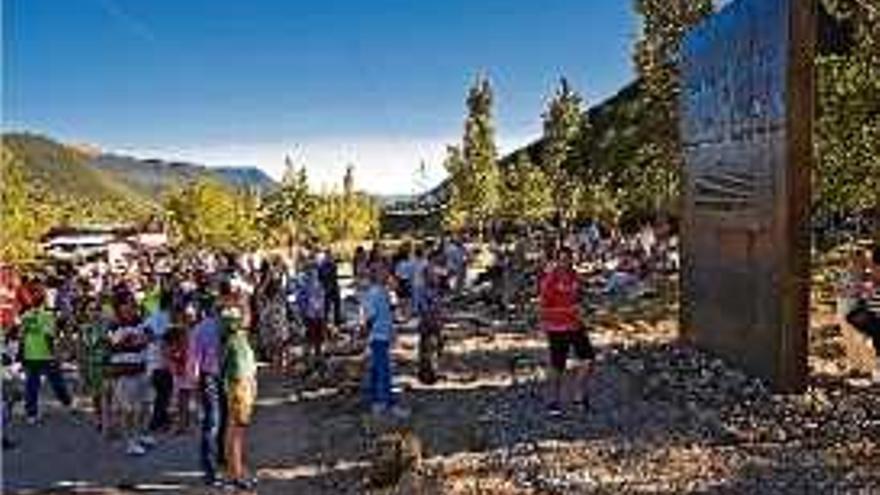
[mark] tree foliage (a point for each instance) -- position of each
(19, 226)
(31, 205)
(205, 214)
(847, 133)
(473, 167)
(455, 210)
(564, 123)
(286, 211)
(847, 175)
(339, 217)
(656, 55)
(526, 194)
(293, 212)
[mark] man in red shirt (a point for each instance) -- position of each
(559, 299)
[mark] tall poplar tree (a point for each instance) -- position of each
(288, 207)
(473, 168)
(563, 125)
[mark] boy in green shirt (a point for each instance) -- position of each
(38, 330)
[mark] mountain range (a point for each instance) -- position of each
(87, 175)
(81, 173)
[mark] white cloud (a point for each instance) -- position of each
(383, 165)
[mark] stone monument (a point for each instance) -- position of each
(747, 111)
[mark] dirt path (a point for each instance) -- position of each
(314, 439)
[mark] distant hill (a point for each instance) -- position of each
(70, 171)
(61, 173)
(150, 177)
(251, 178)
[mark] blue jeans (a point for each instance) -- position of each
(209, 396)
(34, 371)
(380, 374)
(419, 300)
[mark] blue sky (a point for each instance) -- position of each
(377, 83)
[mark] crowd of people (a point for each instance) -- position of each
(155, 343)
(150, 345)
(141, 342)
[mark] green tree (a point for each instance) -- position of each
(287, 209)
(847, 139)
(563, 124)
(656, 52)
(337, 218)
(473, 168)
(455, 208)
(527, 193)
(207, 214)
(19, 225)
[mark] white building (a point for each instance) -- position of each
(113, 244)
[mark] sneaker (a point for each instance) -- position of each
(148, 441)
(244, 484)
(399, 412)
(32, 420)
(554, 410)
(135, 449)
(214, 482)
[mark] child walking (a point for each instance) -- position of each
(378, 322)
(38, 332)
(132, 388)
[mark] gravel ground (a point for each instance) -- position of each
(665, 418)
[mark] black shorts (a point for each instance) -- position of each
(562, 342)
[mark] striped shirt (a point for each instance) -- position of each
(873, 301)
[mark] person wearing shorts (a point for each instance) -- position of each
(240, 377)
(559, 299)
(134, 393)
(132, 389)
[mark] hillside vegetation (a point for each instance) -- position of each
(100, 187)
